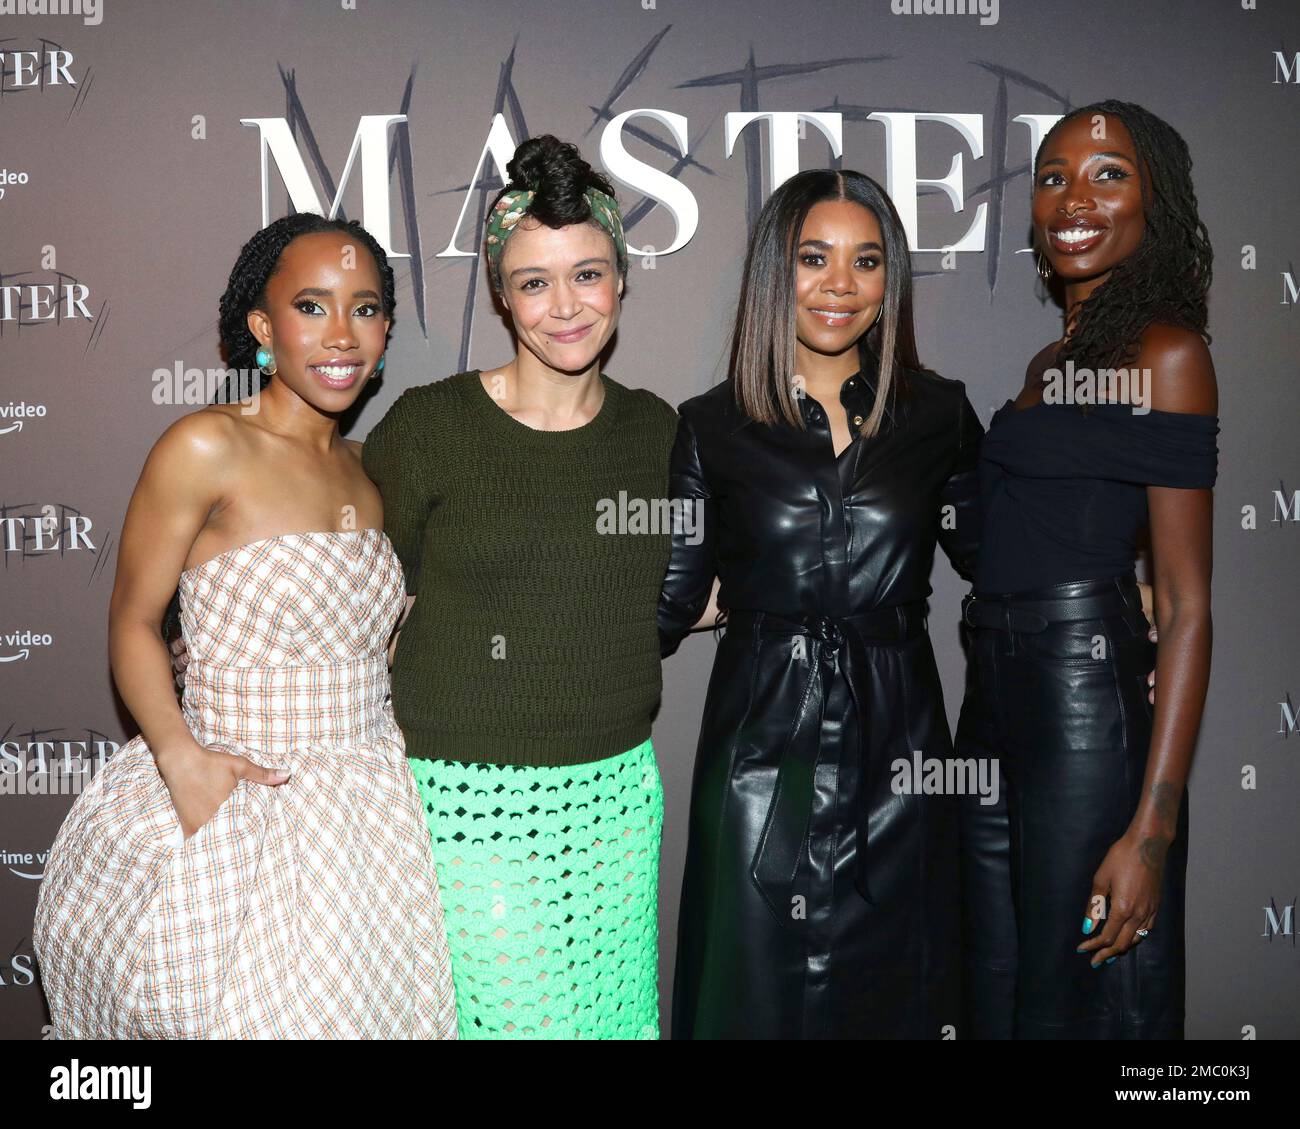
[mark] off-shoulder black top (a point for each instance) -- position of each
(1063, 490)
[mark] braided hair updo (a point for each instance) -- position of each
(558, 176)
(1167, 279)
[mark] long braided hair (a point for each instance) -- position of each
(1168, 277)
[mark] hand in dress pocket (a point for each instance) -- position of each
(201, 779)
(180, 657)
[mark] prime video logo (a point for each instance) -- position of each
(90, 11)
(987, 10)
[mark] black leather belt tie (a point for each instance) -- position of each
(1031, 612)
(782, 866)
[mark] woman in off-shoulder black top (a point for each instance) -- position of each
(1074, 887)
(1064, 488)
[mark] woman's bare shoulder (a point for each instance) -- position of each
(208, 436)
(201, 458)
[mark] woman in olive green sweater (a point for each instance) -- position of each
(527, 674)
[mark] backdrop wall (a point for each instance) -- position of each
(143, 142)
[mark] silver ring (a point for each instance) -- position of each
(1143, 932)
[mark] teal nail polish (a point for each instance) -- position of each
(1080, 949)
(1111, 960)
(1087, 925)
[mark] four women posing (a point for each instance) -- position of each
(822, 897)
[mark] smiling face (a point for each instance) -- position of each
(323, 319)
(839, 275)
(562, 288)
(1088, 206)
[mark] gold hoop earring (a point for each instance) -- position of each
(1043, 267)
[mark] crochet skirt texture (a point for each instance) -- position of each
(549, 878)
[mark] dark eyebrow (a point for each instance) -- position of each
(821, 244)
(317, 292)
(1107, 155)
(542, 270)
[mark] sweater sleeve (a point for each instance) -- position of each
(397, 459)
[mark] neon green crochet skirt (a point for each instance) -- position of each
(549, 880)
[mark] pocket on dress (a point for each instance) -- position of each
(179, 842)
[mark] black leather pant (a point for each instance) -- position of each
(1063, 706)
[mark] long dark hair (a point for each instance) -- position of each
(1168, 277)
(763, 338)
(558, 175)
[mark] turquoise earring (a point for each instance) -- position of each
(380, 367)
(266, 362)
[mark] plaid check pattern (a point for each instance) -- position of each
(307, 910)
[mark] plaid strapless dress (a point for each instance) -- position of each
(306, 910)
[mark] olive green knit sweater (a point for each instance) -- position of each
(532, 639)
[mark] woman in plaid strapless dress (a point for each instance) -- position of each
(256, 863)
(307, 910)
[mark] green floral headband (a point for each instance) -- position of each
(513, 206)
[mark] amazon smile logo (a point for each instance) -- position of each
(16, 646)
(15, 413)
(25, 864)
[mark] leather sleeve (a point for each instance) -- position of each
(691, 566)
(960, 523)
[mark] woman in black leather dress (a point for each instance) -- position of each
(819, 900)
(1084, 888)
